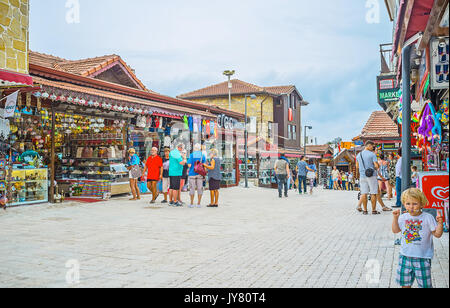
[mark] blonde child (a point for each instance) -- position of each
(418, 229)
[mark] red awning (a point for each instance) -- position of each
(418, 20)
(8, 78)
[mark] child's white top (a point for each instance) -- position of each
(417, 236)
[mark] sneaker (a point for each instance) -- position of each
(152, 202)
(164, 201)
(171, 203)
(199, 206)
(190, 206)
(178, 204)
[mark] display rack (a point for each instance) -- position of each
(29, 186)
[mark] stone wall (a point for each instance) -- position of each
(14, 22)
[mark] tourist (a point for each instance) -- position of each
(383, 176)
(195, 179)
(283, 173)
(398, 180)
(340, 181)
(335, 177)
(302, 172)
(414, 176)
(311, 175)
(350, 181)
(154, 169)
(135, 173)
(165, 178)
(215, 177)
(392, 162)
(418, 229)
(177, 161)
(366, 165)
(344, 180)
(184, 177)
(294, 178)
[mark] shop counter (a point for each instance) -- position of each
(29, 186)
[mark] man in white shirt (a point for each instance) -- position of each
(367, 162)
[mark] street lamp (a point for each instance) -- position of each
(306, 127)
(230, 86)
(252, 96)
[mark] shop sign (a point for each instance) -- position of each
(227, 123)
(389, 147)
(435, 188)
(388, 90)
(10, 105)
(347, 145)
(439, 58)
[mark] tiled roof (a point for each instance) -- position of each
(380, 125)
(317, 148)
(83, 67)
(279, 90)
(239, 88)
(115, 96)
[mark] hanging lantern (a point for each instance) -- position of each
(53, 97)
(70, 99)
(37, 94)
(45, 95)
(62, 98)
(76, 100)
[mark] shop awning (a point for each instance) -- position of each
(13, 79)
(412, 18)
(74, 94)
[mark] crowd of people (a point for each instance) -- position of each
(342, 180)
(168, 175)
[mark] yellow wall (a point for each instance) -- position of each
(14, 21)
(253, 107)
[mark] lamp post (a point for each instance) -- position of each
(230, 86)
(252, 96)
(306, 127)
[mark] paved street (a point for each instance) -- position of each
(253, 240)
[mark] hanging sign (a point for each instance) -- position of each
(439, 58)
(388, 90)
(10, 105)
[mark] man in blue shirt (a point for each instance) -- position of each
(302, 172)
(177, 161)
(195, 179)
(368, 185)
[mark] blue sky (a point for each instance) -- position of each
(326, 48)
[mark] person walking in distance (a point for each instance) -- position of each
(177, 161)
(215, 176)
(367, 166)
(383, 175)
(350, 181)
(135, 173)
(184, 177)
(398, 180)
(335, 178)
(302, 172)
(312, 174)
(154, 170)
(195, 179)
(166, 178)
(392, 162)
(282, 172)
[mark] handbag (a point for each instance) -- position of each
(311, 175)
(200, 169)
(369, 172)
(135, 172)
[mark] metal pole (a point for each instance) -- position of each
(246, 146)
(406, 121)
(229, 92)
(304, 145)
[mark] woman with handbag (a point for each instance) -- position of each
(215, 177)
(135, 173)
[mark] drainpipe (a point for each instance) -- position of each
(406, 118)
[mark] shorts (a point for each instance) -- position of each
(175, 182)
(196, 184)
(411, 269)
(214, 184)
(369, 186)
(165, 185)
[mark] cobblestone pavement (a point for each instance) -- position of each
(253, 240)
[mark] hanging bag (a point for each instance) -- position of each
(200, 169)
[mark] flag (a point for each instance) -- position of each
(10, 105)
